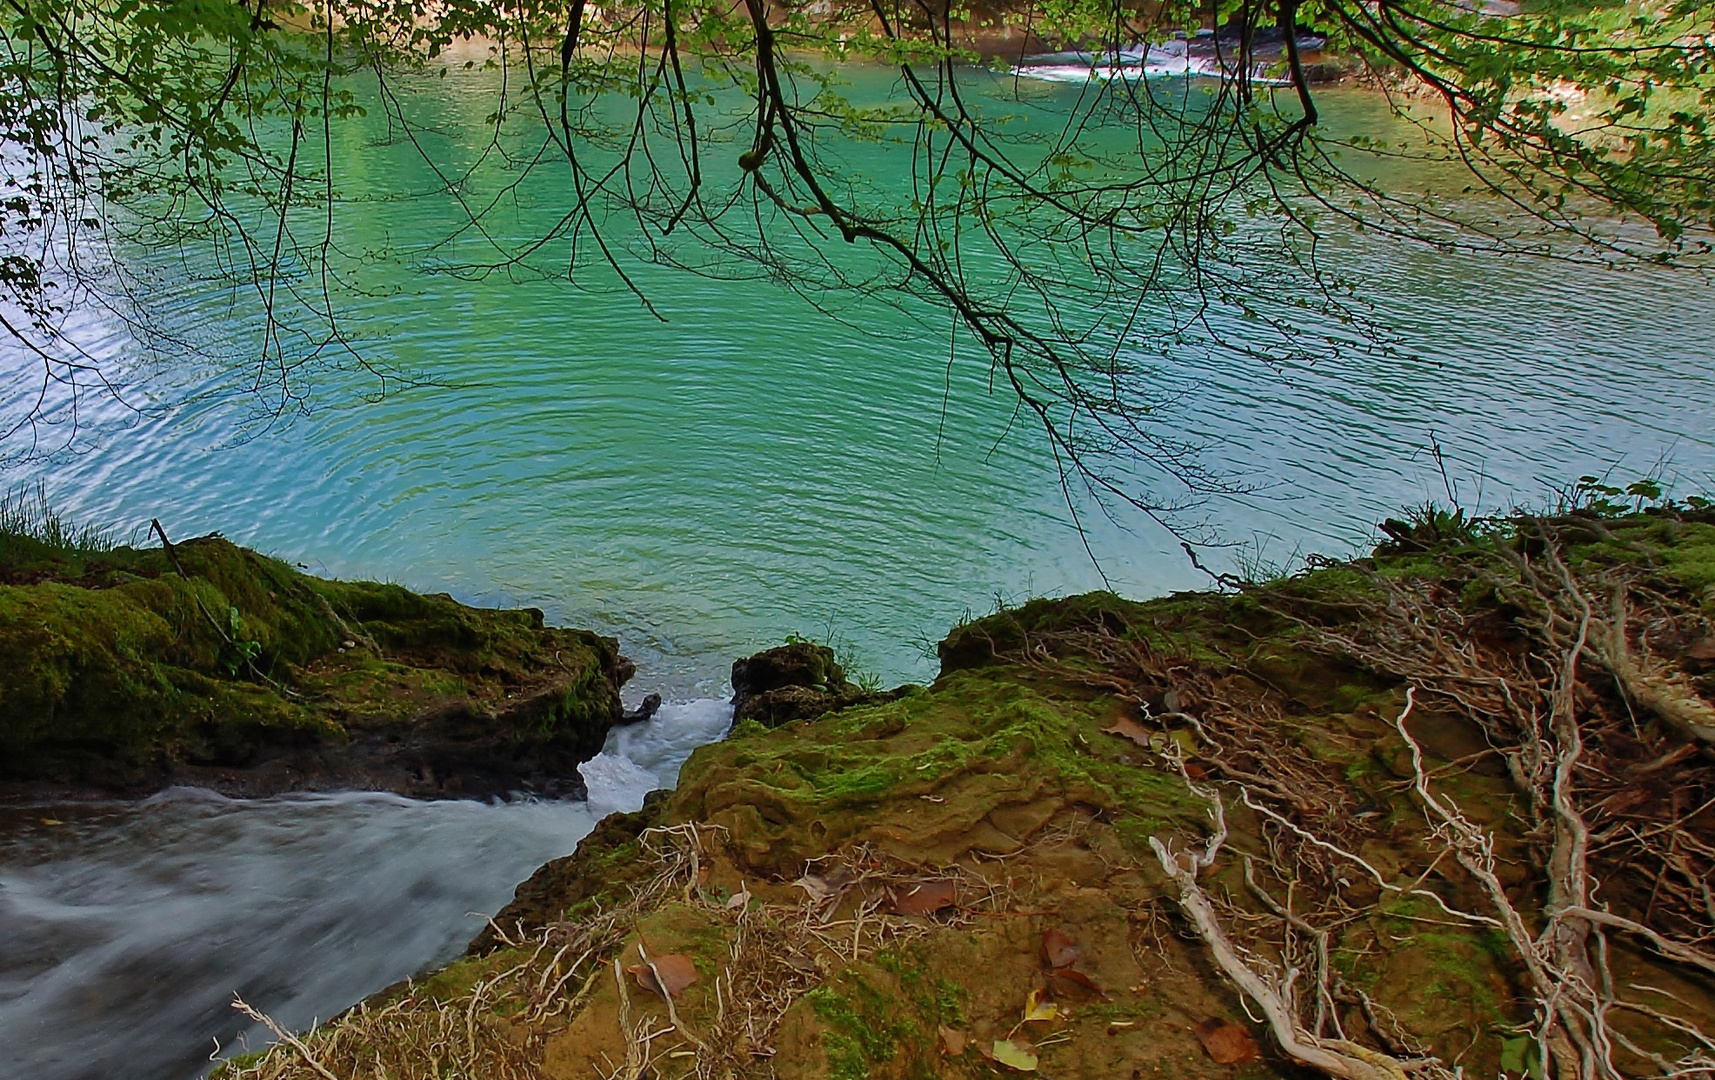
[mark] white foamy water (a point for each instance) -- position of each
(639, 758)
(1161, 60)
(127, 927)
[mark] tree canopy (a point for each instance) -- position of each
(1554, 129)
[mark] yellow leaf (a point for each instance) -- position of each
(1013, 1056)
(1035, 1009)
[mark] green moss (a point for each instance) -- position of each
(114, 665)
(862, 1029)
(237, 1064)
(936, 1000)
(1690, 560)
(968, 721)
(456, 979)
(1361, 768)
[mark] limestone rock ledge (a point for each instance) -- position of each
(970, 879)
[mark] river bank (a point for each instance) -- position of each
(204, 754)
(125, 671)
(1406, 812)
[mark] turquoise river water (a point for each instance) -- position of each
(700, 487)
(704, 485)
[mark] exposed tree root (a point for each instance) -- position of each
(1336, 1057)
(1528, 664)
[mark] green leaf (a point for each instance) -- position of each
(1514, 1052)
(1014, 1056)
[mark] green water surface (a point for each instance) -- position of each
(744, 466)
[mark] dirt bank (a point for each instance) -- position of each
(1440, 812)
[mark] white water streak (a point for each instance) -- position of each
(126, 928)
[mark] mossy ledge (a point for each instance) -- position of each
(207, 663)
(961, 880)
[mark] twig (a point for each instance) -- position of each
(284, 1036)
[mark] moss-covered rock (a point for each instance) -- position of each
(210, 663)
(796, 681)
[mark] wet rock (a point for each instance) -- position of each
(796, 681)
(798, 663)
(645, 710)
(609, 859)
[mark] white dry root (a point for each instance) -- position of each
(1528, 705)
(1574, 989)
(1336, 1057)
(285, 1037)
(1651, 684)
(777, 953)
(1566, 963)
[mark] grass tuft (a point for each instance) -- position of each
(27, 516)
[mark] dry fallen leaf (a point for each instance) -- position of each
(1013, 1055)
(1070, 979)
(817, 886)
(803, 964)
(1037, 1009)
(1127, 728)
(1058, 950)
(677, 972)
(1060, 963)
(1226, 1042)
(924, 897)
(952, 1042)
(738, 899)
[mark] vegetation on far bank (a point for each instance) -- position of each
(1443, 810)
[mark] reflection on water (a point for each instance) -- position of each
(749, 467)
(128, 927)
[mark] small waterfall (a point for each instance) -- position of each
(129, 926)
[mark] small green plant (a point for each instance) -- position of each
(1430, 526)
(1255, 568)
(26, 514)
(243, 649)
(846, 655)
(1594, 495)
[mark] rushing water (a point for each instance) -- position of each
(700, 486)
(129, 927)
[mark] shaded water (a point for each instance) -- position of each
(700, 487)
